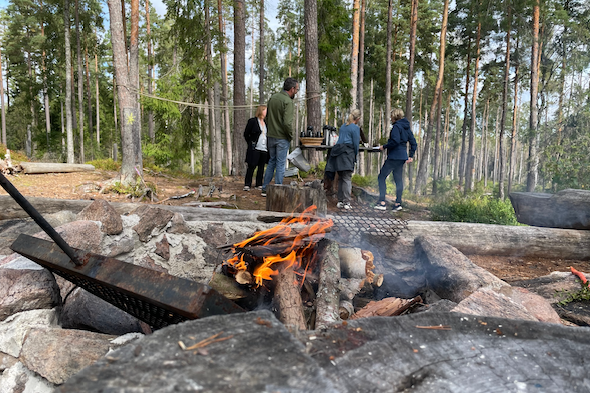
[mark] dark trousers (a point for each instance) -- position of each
(259, 174)
(397, 167)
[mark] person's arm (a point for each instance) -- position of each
(288, 120)
(356, 140)
(249, 131)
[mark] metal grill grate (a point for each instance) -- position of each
(154, 297)
(362, 224)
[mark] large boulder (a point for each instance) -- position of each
(428, 352)
(24, 285)
(14, 329)
(569, 209)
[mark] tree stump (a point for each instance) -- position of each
(294, 199)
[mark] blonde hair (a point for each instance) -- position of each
(354, 115)
(259, 111)
(396, 114)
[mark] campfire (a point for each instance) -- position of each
(306, 277)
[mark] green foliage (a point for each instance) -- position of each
(567, 297)
(134, 190)
(483, 209)
(364, 181)
(106, 164)
(158, 153)
(567, 164)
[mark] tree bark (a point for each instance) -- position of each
(511, 174)
(465, 116)
(424, 157)
(505, 100)
(130, 121)
(533, 161)
(224, 92)
(217, 164)
(388, 68)
(239, 86)
(2, 103)
(150, 69)
(471, 151)
(313, 88)
(328, 295)
(134, 78)
(354, 57)
(413, 28)
(97, 100)
(68, 67)
(289, 299)
(261, 57)
(80, 84)
(89, 93)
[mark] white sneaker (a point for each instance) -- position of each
(340, 205)
(246, 188)
(396, 208)
(346, 206)
(380, 206)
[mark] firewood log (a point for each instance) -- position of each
(289, 302)
(328, 296)
(227, 286)
(386, 308)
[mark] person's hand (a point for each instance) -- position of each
(381, 147)
(409, 160)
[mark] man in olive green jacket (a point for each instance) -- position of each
(279, 123)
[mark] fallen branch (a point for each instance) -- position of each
(178, 196)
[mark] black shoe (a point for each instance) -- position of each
(263, 193)
(397, 207)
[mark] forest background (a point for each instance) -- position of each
(497, 92)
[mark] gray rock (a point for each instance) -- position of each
(568, 209)
(14, 328)
(178, 225)
(24, 286)
(259, 355)
(85, 235)
(6, 361)
(450, 273)
(83, 310)
(101, 210)
(151, 218)
(536, 305)
(57, 354)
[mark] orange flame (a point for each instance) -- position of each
(299, 244)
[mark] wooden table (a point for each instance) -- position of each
(326, 147)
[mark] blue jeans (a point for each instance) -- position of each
(278, 149)
(395, 166)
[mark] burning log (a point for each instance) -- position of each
(328, 296)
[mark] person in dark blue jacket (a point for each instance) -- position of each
(397, 155)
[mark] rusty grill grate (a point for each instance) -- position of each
(362, 224)
(157, 298)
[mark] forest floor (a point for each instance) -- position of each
(86, 185)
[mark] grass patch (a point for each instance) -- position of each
(106, 164)
(483, 209)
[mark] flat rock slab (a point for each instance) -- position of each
(260, 355)
(569, 209)
(471, 354)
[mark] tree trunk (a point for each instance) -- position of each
(130, 127)
(313, 93)
(505, 100)
(89, 93)
(68, 67)
(354, 56)
(436, 160)
(533, 161)
(2, 103)
(261, 57)
(150, 70)
(134, 78)
(97, 100)
(413, 28)
(511, 174)
(239, 86)
(80, 84)
(424, 157)
(217, 163)
(361, 72)
(465, 116)
(388, 65)
(45, 94)
(224, 92)
(471, 151)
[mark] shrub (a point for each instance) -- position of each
(482, 209)
(106, 164)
